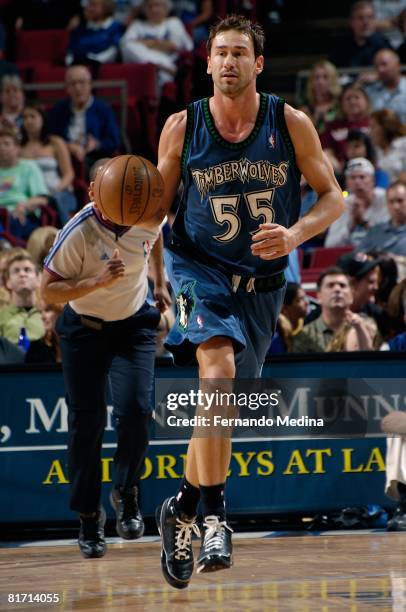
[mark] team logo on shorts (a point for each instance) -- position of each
(186, 301)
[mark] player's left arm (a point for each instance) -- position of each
(161, 293)
(273, 240)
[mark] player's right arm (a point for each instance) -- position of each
(170, 155)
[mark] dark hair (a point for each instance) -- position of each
(291, 292)
(360, 136)
(44, 133)
(240, 24)
(330, 271)
(390, 123)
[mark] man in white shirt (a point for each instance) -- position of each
(365, 205)
(107, 332)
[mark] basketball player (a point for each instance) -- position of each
(240, 155)
(107, 332)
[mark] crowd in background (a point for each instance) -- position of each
(355, 96)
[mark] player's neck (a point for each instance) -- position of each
(234, 113)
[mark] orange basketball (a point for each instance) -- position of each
(128, 190)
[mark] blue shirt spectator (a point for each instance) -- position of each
(97, 39)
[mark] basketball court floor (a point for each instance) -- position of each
(273, 571)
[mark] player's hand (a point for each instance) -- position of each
(113, 270)
(272, 241)
(162, 297)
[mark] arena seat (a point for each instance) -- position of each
(142, 103)
(323, 257)
(4, 219)
(35, 47)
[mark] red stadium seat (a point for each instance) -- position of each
(4, 219)
(142, 104)
(43, 73)
(323, 257)
(48, 46)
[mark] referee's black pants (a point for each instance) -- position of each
(95, 354)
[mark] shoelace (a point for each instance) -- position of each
(215, 532)
(183, 538)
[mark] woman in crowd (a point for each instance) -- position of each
(322, 94)
(46, 349)
(354, 114)
(389, 137)
(52, 156)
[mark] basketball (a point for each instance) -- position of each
(128, 190)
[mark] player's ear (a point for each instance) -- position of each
(90, 190)
(259, 64)
(208, 65)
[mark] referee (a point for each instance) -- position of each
(107, 331)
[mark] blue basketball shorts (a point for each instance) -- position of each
(208, 307)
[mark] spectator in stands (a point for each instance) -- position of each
(365, 205)
(360, 46)
(389, 90)
(359, 144)
(158, 40)
(295, 306)
(391, 235)
(22, 280)
(397, 312)
(196, 15)
(388, 19)
(322, 94)
(22, 188)
(335, 297)
(291, 319)
(389, 137)
(12, 100)
(46, 14)
(355, 111)
(97, 39)
(46, 349)
(40, 242)
(86, 123)
(364, 274)
(4, 293)
(52, 156)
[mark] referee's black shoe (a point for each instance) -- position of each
(91, 535)
(176, 530)
(216, 549)
(129, 523)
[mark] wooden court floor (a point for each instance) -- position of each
(359, 571)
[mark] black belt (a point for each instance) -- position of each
(257, 285)
(92, 322)
(245, 283)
